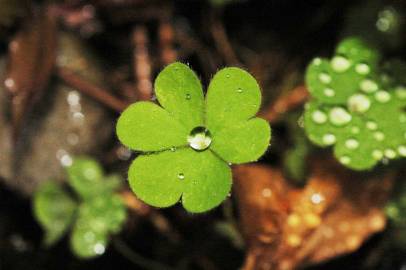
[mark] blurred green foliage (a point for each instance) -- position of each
(357, 105)
(97, 213)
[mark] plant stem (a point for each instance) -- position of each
(96, 92)
(137, 259)
(286, 103)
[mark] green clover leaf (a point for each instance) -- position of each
(54, 210)
(187, 144)
(97, 219)
(98, 213)
(357, 106)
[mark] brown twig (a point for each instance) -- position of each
(96, 92)
(142, 63)
(221, 40)
(190, 44)
(166, 40)
(283, 104)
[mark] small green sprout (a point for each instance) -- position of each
(188, 144)
(357, 106)
(98, 214)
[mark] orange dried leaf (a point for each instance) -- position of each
(286, 227)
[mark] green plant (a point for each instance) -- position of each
(295, 158)
(98, 213)
(188, 144)
(357, 105)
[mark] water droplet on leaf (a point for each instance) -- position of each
(199, 138)
(329, 139)
(382, 96)
(345, 160)
(359, 103)
(188, 97)
(328, 92)
(339, 116)
(379, 136)
(368, 86)
(319, 117)
(390, 153)
(362, 68)
(99, 248)
(351, 144)
(400, 92)
(402, 150)
(340, 63)
(181, 176)
(371, 125)
(377, 154)
(324, 78)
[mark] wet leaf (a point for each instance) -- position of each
(288, 227)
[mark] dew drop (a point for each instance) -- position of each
(99, 248)
(402, 150)
(199, 138)
(368, 86)
(371, 125)
(317, 61)
(324, 78)
(329, 139)
(319, 117)
(359, 103)
(379, 136)
(339, 116)
(352, 144)
(227, 76)
(173, 149)
(328, 92)
(340, 63)
(187, 96)
(181, 176)
(400, 92)
(345, 160)
(377, 154)
(382, 96)
(362, 69)
(390, 153)
(239, 90)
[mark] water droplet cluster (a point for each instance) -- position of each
(357, 106)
